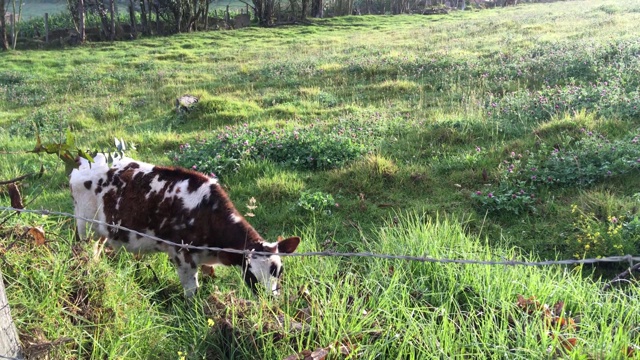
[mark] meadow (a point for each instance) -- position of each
(503, 134)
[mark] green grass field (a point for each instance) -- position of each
(500, 134)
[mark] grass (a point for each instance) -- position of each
(429, 110)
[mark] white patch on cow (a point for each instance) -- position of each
(192, 221)
(156, 186)
(192, 199)
(235, 218)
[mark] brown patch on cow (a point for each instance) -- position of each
(229, 259)
(110, 174)
(87, 184)
(189, 260)
(176, 260)
(99, 186)
(132, 165)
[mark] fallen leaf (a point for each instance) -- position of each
(304, 315)
(305, 353)
(568, 344)
(319, 354)
(208, 271)
(38, 234)
(557, 308)
(344, 350)
(14, 195)
(292, 357)
(631, 351)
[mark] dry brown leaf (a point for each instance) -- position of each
(37, 233)
(14, 195)
(292, 357)
(304, 315)
(305, 353)
(631, 351)
(318, 354)
(557, 308)
(344, 350)
(208, 271)
(568, 344)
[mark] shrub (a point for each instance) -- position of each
(316, 202)
(601, 237)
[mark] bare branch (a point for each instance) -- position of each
(22, 177)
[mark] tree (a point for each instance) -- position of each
(15, 21)
(4, 44)
(317, 8)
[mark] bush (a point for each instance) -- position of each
(316, 202)
(610, 236)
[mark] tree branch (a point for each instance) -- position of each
(6, 182)
(620, 277)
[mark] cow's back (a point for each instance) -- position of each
(170, 203)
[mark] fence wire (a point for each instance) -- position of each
(610, 259)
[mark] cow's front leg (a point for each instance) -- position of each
(187, 271)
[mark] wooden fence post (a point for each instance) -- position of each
(46, 28)
(9, 344)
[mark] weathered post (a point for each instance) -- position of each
(9, 344)
(46, 28)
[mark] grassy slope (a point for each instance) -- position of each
(408, 70)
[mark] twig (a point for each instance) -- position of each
(6, 182)
(620, 277)
(246, 3)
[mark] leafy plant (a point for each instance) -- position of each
(316, 147)
(316, 202)
(599, 237)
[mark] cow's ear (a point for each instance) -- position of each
(288, 245)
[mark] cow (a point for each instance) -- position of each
(178, 205)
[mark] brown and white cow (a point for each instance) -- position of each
(174, 204)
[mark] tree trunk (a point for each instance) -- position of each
(206, 16)
(132, 19)
(9, 344)
(81, 21)
(305, 8)
(112, 14)
(143, 17)
(316, 8)
(4, 44)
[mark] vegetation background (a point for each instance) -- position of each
(508, 133)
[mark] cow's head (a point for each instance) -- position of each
(267, 269)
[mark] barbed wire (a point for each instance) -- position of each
(610, 259)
